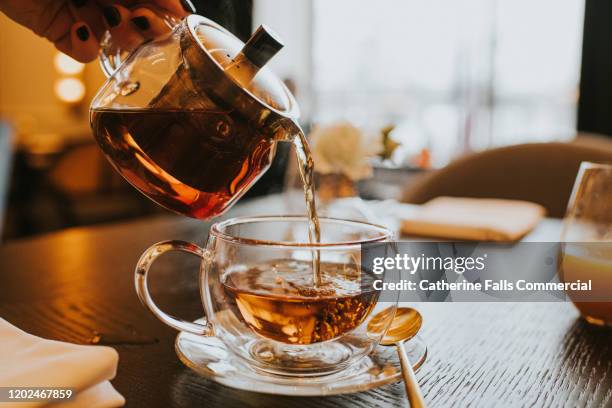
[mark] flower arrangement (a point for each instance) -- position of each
(341, 153)
(341, 148)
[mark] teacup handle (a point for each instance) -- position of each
(142, 288)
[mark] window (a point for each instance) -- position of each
(451, 75)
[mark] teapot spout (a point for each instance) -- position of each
(287, 130)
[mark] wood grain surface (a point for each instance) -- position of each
(77, 285)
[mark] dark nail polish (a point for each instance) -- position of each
(83, 33)
(141, 22)
(188, 6)
(79, 3)
(112, 16)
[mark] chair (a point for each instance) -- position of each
(543, 173)
(6, 155)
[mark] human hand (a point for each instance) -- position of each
(76, 26)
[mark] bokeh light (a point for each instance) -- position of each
(70, 90)
(66, 65)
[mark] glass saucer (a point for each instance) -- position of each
(209, 357)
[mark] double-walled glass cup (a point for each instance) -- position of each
(259, 294)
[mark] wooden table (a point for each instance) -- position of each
(77, 285)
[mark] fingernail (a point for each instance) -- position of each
(79, 3)
(112, 16)
(188, 6)
(141, 22)
(83, 33)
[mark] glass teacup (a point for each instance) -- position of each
(260, 299)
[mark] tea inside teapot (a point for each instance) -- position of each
(195, 163)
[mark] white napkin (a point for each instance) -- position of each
(478, 219)
(387, 213)
(30, 361)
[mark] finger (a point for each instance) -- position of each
(175, 8)
(149, 24)
(113, 16)
(56, 31)
(179, 8)
(123, 33)
(89, 12)
(80, 44)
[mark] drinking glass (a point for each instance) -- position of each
(586, 249)
(260, 298)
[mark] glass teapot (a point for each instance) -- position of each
(191, 119)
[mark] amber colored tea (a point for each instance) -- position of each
(195, 163)
(280, 301)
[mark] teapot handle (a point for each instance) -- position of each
(112, 56)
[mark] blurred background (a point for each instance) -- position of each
(446, 79)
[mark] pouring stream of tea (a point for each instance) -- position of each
(306, 168)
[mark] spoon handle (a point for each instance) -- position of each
(412, 386)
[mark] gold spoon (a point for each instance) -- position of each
(404, 326)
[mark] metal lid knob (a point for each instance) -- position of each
(262, 46)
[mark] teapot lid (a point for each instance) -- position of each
(209, 50)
